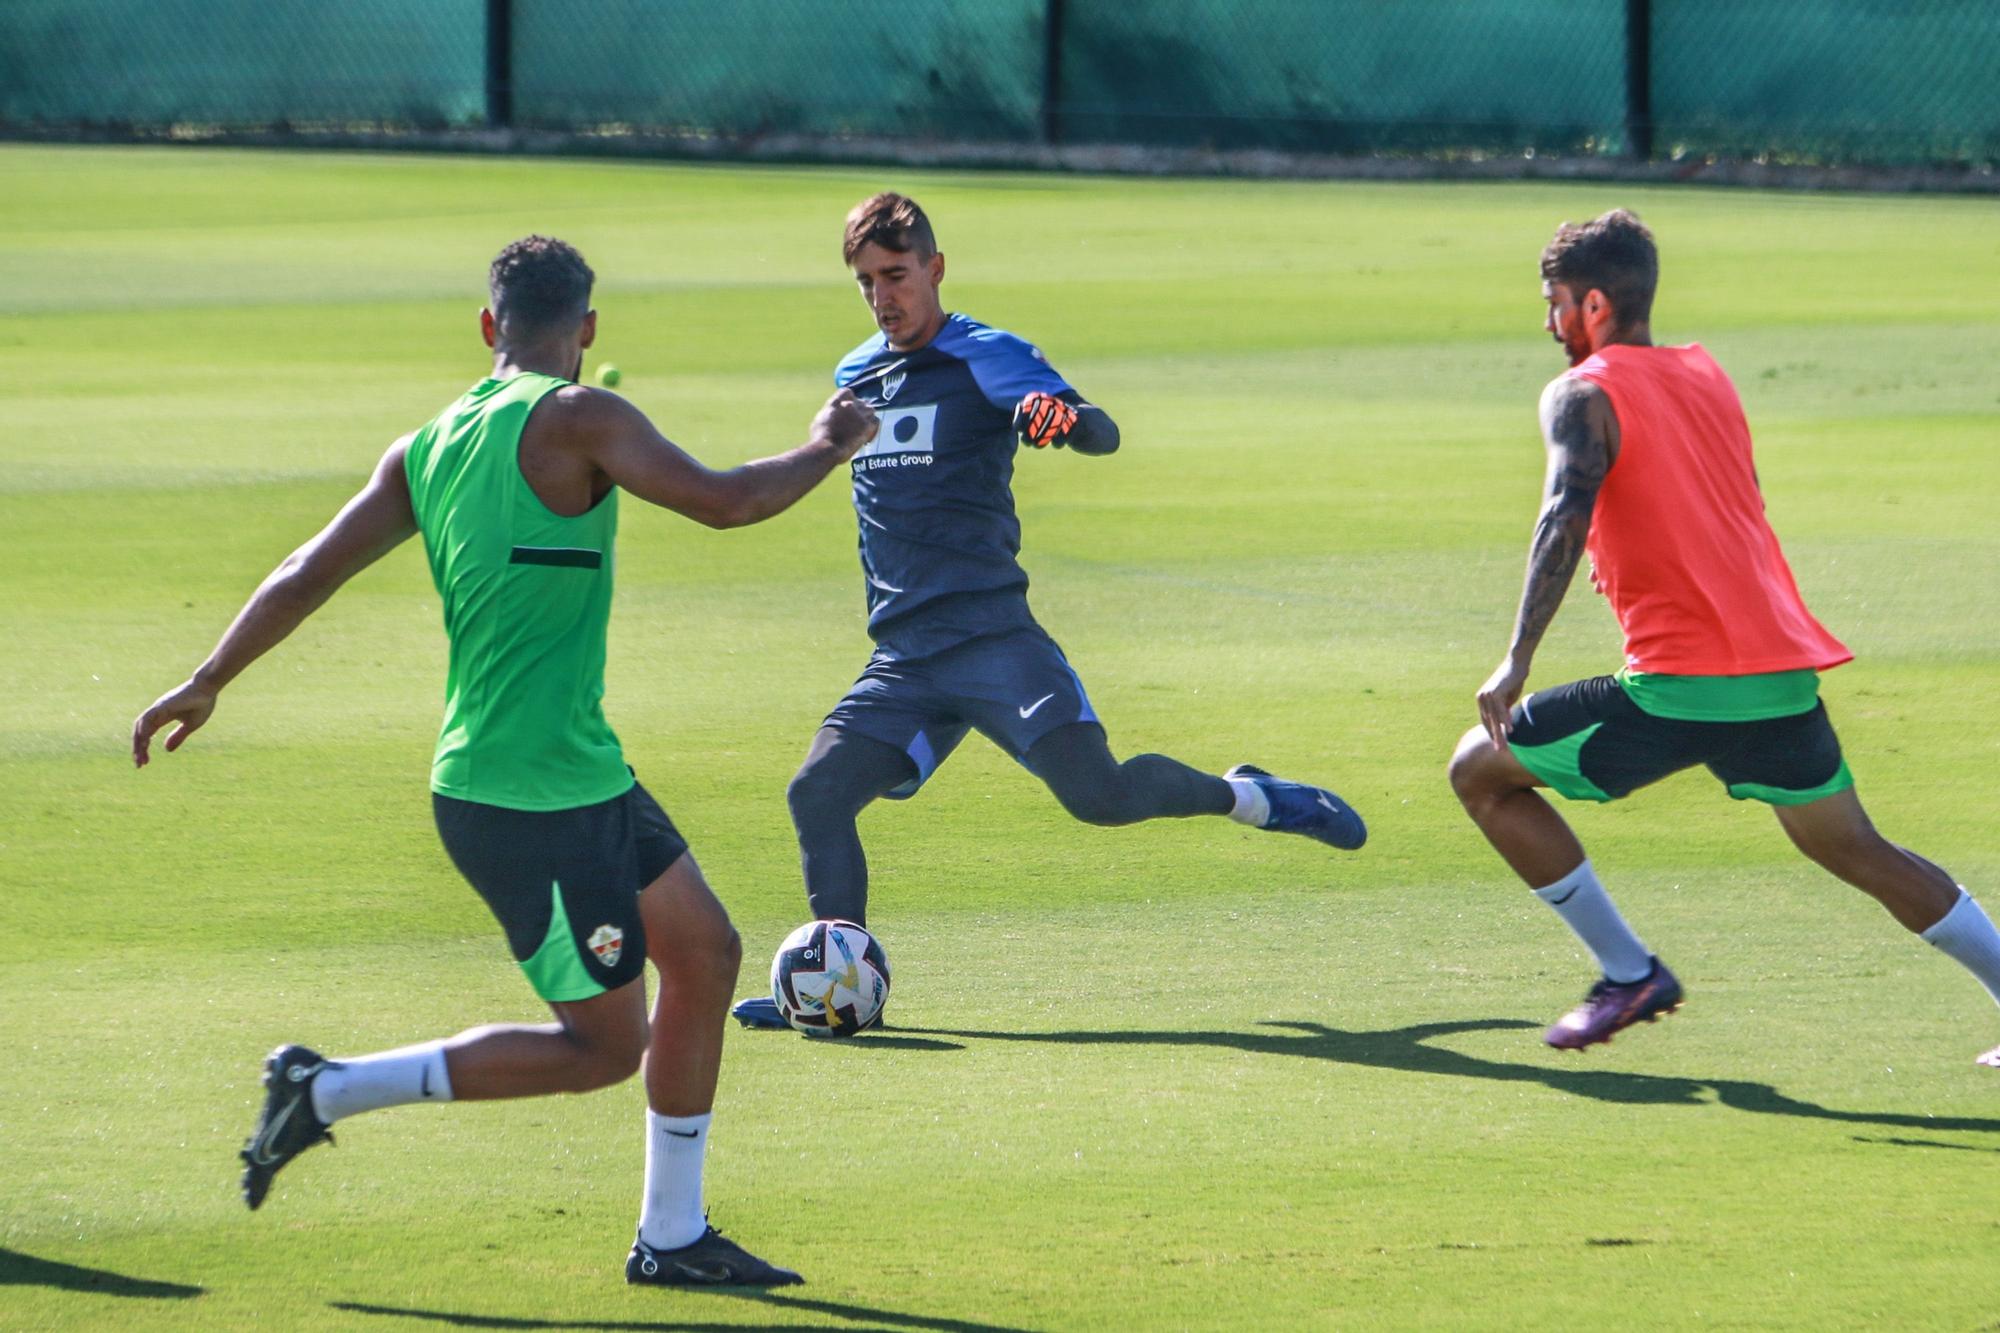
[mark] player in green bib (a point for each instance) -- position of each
(514, 489)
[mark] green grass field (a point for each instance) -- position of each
(1176, 1076)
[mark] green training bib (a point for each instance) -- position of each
(527, 598)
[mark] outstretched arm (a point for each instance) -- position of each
(1581, 432)
(369, 526)
(619, 440)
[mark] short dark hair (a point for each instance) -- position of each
(1613, 254)
(539, 284)
(892, 221)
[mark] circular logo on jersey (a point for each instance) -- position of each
(905, 429)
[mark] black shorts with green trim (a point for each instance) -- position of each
(565, 884)
(1589, 741)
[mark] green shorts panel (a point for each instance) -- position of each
(1754, 791)
(1560, 764)
(556, 969)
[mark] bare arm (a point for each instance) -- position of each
(1581, 432)
(617, 438)
(369, 526)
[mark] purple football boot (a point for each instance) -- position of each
(1613, 1006)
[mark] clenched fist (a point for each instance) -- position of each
(1042, 419)
(847, 421)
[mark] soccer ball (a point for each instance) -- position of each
(830, 979)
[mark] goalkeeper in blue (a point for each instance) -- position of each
(956, 648)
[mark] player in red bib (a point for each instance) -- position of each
(1650, 471)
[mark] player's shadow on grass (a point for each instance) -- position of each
(25, 1270)
(864, 1318)
(890, 1039)
(1409, 1049)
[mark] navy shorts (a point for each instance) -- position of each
(564, 884)
(1015, 688)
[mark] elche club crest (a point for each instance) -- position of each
(607, 942)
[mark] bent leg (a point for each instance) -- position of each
(1836, 832)
(1076, 762)
(842, 773)
(592, 1044)
(1497, 790)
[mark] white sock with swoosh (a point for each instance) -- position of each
(670, 1215)
(1253, 807)
(1580, 900)
(388, 1078)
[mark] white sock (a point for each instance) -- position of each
(1968, 936)
(670, 1216)
(1253, 807)
(1582, 902)
(371, 1082)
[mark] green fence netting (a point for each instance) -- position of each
(242, 63)
(941, 69)
(1872, 81)
(1347, 76)
(1902, 81)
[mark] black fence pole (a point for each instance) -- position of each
(499, 64)
(1052, 44)
(1639, 79)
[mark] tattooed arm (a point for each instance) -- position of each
(1582, 435)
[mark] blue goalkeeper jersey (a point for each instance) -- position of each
(932, 491)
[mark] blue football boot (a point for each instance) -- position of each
(1313, 811)
(759, 1011)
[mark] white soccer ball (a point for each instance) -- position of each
(830, 979)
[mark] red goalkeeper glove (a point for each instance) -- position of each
(1042, 419)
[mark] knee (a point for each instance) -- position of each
(707, 954)
(606, 1060)
(813, 796)
(726, 958)
(1471, 771)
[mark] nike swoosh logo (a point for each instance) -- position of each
(1328, 804)
(706, 1273)
(260, 1151)
(1029, 711)
(425, 1089)
(685, 1134)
